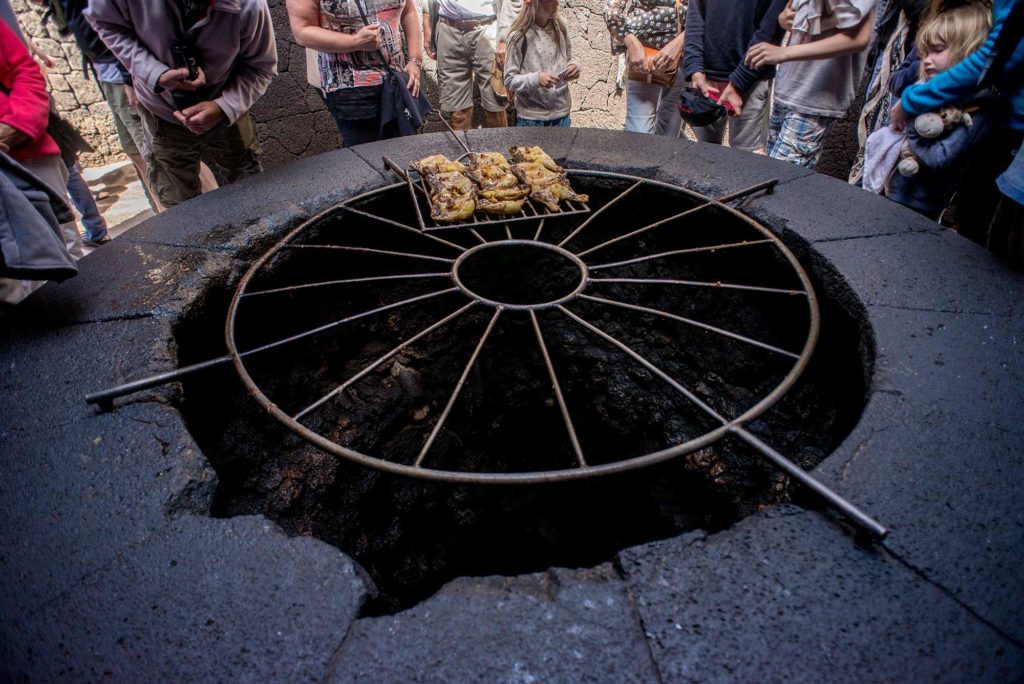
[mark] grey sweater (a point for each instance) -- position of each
(522, 73)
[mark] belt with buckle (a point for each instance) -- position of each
(466, 24)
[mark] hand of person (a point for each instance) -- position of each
(636, 57)
(786, 18)
(572, 72)
(499, 54)
(201, 117)
(133, 99)
(177, 79)
(667, 56)
(4, 148)
(547, 80)
(731, 98)
(898, 118)
(413, 69)
(368, 38)
(45, 61)
(764, 54)
(700, 82)
(11, 137)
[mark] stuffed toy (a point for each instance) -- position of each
(930, 125)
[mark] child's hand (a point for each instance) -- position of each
(731, 99)
(898, 117)
(571, 73)
(786, 18)
(765, 54)
(547, 80)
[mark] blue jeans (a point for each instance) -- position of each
(564, 122)
(85, 203)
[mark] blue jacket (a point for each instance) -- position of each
(961, 82)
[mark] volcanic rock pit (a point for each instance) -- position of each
(412, 535)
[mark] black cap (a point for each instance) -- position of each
(698, 110)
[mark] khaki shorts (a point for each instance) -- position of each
(174, 154)
(126, 122)
(462, 58)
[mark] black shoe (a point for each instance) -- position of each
(97, 243)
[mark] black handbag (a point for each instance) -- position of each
(400, 113)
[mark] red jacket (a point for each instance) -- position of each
(24, 103)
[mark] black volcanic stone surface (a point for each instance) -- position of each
(112, 569)
(786, 586)
(558, 626)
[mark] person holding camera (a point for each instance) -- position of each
(198, 67)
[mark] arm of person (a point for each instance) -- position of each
(427, 34)
(118, 34)
(255, 66)
(414, 44)
(304, 20)
(29, 104)
(519, 81)
(957, 83)
(845, 41)
(693, 45)
(743, 78)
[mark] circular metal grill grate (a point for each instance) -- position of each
(587, 272)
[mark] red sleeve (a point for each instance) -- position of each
(28, 105)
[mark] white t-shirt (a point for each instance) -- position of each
(822, 87)
(466, 9)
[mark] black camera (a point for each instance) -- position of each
(185, 56)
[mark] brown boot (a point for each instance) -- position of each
(462, 119)
(496, 119)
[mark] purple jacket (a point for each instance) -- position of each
(235, 41)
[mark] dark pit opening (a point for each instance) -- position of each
(519, 273)
(412, 536)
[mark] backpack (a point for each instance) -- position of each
(67, 17)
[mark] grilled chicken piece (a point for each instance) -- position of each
(534, 154)
(546, 186)
(452, 196)
(437, 163)
(503, 207)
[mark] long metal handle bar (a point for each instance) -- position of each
(382, 359)
(104, 397)
(458, 389)
(455, 134)
(857, 516)
(675, 252)
(562, 406)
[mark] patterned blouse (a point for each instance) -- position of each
(652, 21)
(355, 69)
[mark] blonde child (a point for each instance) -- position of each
(539, 65)
(943, 41)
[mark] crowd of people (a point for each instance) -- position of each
(941, 121)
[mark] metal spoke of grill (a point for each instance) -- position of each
(383, 219)
(676, 252)
(347, 281)
(371, 250)
(458, 389)
(508, 232)
(717, 285)
(376, 364)
(611, 203)
(540, 227)
(857, 516)
(558, 392)
(691, 322)
(477, 235)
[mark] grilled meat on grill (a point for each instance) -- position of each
(534, 154)
(437, 163)
(452, 196)
(500, 190)
(546, 186)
